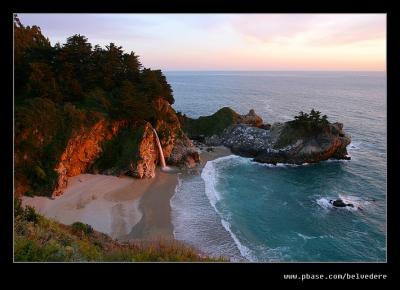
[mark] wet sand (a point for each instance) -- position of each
(109, 204)
(155, 204)
(156, 210)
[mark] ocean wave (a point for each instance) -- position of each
(209, 175)
(338, 160)
(244, 251)
(357, 202)
(249, 161)
(172, 199)
(279, 165)
(305, 237)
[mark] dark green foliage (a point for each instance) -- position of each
(81, 228)
(154, 84)
(26, 213)
(72, 72)
(46, 128)
(62, 89)
(313, 119)
(303, 126)
(30, 215)
(209, 125)
(18, 210)
(120, 151)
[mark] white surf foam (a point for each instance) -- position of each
(357, 202)
(172, 199)
(305, 237)
(324, 203)
(244, 251)
(210, 176)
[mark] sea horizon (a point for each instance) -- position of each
(249, 201)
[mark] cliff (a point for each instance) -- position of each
(100, 145)
(82, 148)
(92, 111)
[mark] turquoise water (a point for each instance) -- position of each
(249, 211)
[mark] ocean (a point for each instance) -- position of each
(247, 211)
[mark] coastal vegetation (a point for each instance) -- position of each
(44, 240)
(209, 125)
(63, 90)
(303, 126)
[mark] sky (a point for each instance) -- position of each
(232, 41)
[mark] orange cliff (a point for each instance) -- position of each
(82, 149)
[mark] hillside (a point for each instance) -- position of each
(40, 239)
(81, 108)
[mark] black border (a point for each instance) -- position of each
(171, 274)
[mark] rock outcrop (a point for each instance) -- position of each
(82, 149)
(147, 155)
(285, 143)
(340, 203)
(251, 119)
(177, 147)
(184, 154)
(139, 153)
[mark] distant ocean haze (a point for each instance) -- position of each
(282, 213)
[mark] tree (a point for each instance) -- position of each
(112, 66)
(132, 67)
(29, 46)
(76, 55)
(154, 84)
(42, 83)
(311, 120)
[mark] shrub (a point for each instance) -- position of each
(81, 228)
(313, 119)
(120, 151)
(303, 125)
(30, 215)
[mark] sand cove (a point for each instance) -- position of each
(125, 208)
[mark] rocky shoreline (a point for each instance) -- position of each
(289, 142)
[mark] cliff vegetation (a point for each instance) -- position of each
(43, 240)
(82, 107)
(209, 125)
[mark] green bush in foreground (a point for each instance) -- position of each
(43, 240)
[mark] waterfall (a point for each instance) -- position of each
(163, 165)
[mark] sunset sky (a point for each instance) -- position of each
(232, 41)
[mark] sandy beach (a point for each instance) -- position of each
(123, 207)
(109, 204)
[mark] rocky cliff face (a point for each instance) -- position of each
(177, 148)
(285, 144)
(147, 155)
(184, 154)
(142, 157)
(82, 149)
(251, 119)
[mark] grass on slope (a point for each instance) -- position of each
(43, 240)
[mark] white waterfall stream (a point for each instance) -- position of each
(163, 165)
